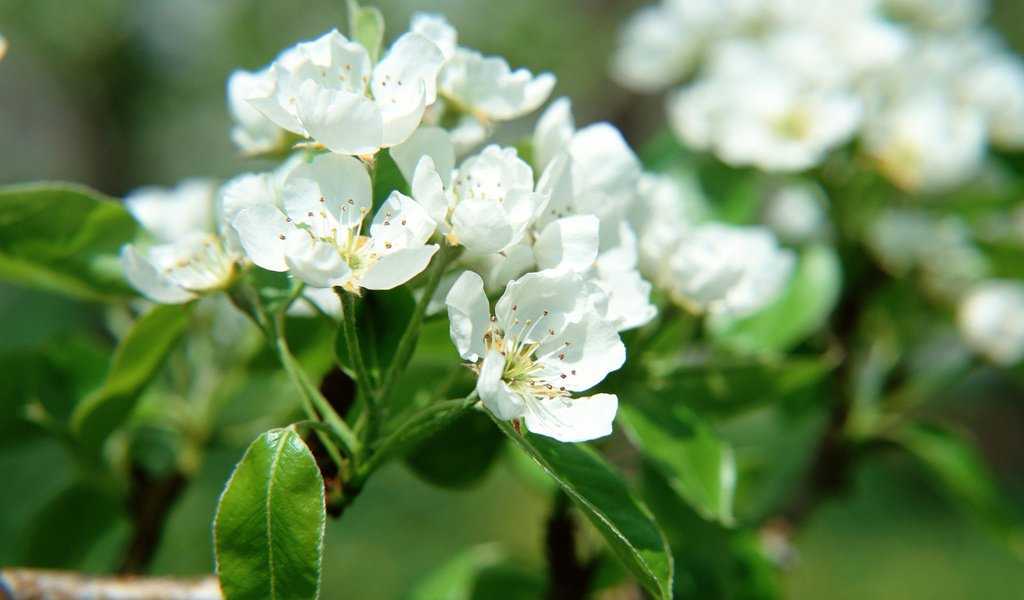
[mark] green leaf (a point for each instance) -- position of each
(729, 389)
(381, 319)
(139, 356)
(387, 178)
(800, 310)
(711, 561)
(366, 26)
(460, 454)
(63, 238)
(699, 466)
(606, 499)
(966, 479)
(269, 529)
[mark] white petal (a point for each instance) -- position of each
(494, 392)
(345, 122)
(400, 223)
(481, 225)
(268, 237)
(573, 420)
(150, 282)
(243, 191)
(428, 189)
(436, 29)
(271, 94)
(171, 213)
(412, 59)
(584, 351)
(426, 141)
(553, 132)
(394, 269)
(569, 243)
(319, 266)
(488, 85)
(343, 184)
(401, 115)
(547, 299)
(254, 132)
(468, 315)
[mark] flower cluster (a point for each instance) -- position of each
(777, 85)
(571, 237)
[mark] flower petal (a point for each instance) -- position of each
(345, 122)
(494, 392)
(426, 141)
(268, 237)
(145, 278)
(573, 420)
(394, 269)
(569, 243)
(468, 315)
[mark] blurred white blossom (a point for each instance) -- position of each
(991, 320)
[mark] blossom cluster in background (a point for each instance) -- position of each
(922, 85)
(922, 92)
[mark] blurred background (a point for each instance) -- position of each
(118, 94)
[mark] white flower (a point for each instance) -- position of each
(764, 116)
(795, 213)
(243, 191)
(543, 343)
(489, 202)
(179, 271)
(729, 270)
(926, 143)
(170, 214)
(3, 47)
(319, 235)
(328, 90)
(484, 86)
(254, 132)
(190, 258)
(991, 320)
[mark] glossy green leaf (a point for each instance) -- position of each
(606, 499)
(961, 473)
(699, 465)
(800, 310)
(63, 238)
(366, 26)
(269, 528)
(139, 356)
(381, 319)
(460, 454)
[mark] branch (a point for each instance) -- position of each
(31, 584)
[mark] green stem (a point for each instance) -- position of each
(416, 427)
(407, 343)
(366, 388)
(314, 401)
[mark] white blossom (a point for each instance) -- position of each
(190, 258)
(991, 320)
(727, 270)
(328, 90)
(543, 343)
(319, 236)
(488, 203)
(795, 213)
(254, 132)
